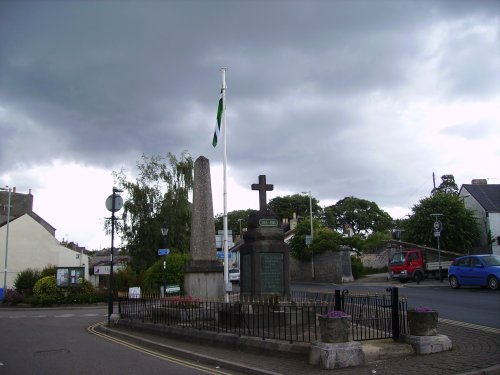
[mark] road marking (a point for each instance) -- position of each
(64, 316)
(92, 329)
(470, 325)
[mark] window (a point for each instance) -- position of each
(474, 262)
(462, 262)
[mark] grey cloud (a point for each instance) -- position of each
(104, 81)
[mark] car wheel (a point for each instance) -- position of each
(418, 277)
(493, 283)
(454, 282)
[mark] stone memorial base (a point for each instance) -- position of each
(429, 344)
(114, 318)
(204, 280)
(339, 355)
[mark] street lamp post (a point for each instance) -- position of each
(438, 226)
(311, 218)
(113, 203)
(164, 232)
(7, 188)
(240, 220)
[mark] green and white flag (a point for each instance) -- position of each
(220, 109)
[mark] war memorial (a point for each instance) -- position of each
(330, 330)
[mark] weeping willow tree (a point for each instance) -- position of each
(157, 197)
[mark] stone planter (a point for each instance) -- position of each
(335, 329)
(422, 322)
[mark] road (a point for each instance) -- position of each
(58, 341)
(470, 305)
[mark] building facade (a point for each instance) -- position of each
(484, 200)
(31, 241)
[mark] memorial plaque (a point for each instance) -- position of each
(271, 272)
(268, 222)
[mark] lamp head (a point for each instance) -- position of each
(164, 230)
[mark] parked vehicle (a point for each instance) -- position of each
(234, 275)
(416, 264)
(475, 270)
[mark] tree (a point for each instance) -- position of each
(361, 215)
(460, 229)
(447, 185)
(298, 247)
(158, 196)
(233, 220)
(286, 206)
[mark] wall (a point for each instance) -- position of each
(376, 260)
(494, 222)
(329, 267)
(480, 215)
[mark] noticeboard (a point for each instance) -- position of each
(67, 277)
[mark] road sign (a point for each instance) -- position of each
(118, 203)
(220, 255)
(308, 239)
(172, 289)
(438, 226)
(163, 251)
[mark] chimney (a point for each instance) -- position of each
(480, 181)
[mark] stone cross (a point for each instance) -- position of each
(262, 187)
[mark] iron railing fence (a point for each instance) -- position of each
(373, 316)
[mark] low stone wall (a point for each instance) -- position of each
(376, 261)
(329, 267)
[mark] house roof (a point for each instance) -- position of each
(488, 196)
(35, 217)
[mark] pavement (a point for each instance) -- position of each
(476, 349)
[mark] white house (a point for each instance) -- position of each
(484, 201)
(32, 244)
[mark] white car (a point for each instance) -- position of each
(234, 275)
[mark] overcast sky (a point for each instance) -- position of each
(340, 98)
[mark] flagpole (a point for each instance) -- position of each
(226, 257)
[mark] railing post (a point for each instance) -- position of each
(338, 303)
(395, 313)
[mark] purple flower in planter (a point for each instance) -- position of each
(424, 309)
(335, 314)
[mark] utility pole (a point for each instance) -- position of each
(6, 241)
(438, 226)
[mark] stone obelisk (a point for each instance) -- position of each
(204, 274)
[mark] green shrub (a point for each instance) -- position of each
(47, 291)
(124, 279)
(357, 267)
(31, 300)
(153, 277)
(49, 270)
(26, 279)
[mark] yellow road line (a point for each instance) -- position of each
(165, 357)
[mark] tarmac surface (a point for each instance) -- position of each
(476, 350)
